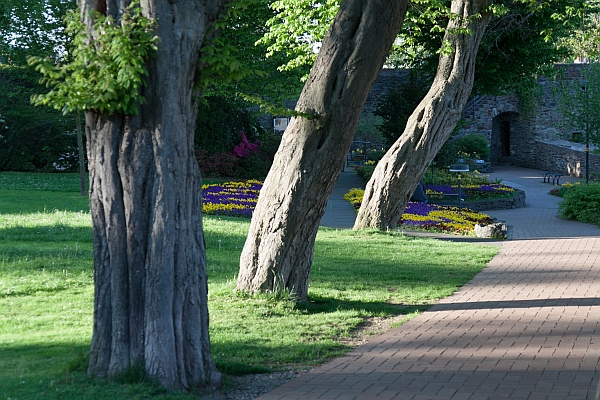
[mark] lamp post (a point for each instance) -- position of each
(459, 168)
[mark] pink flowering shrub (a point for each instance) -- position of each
(246, 160)
(245, 148)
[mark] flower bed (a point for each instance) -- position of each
(231, 198)
(239, 199)
(431, 217)
(473, 192)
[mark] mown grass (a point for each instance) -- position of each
(46, 296)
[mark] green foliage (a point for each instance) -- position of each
(474, 146)
(578, 100)
(220, 57)
(221, 120)
(31, 28)
(470, 147)
(443, 176)
(367, 129)
(584, 40)
(520, 45)
(365, 171)
(32, 139)
(236, 63)
(254, 165)
(104, 73)
(398, 103)
(297, 28)
(581, 203)
(257, 164)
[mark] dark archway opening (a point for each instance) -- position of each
(505, 138)
(505, 129)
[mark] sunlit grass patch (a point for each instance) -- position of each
(46, 300)
(40, 181)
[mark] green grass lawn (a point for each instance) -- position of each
(46, 294)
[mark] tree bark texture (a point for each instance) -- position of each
(150, 301)
(430, 125)
(278, 252)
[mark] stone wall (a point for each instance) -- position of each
(517, 201)
(386, 78)
(564, 160)
(534, 138)
(547, 117)
(480, 111)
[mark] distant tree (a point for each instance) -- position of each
(583, 41)
(522, 44)
(399, 102)
(578, 100)
(33, 139)
(31, 28)
(259, 69)
(431, 123)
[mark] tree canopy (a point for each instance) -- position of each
(520, 43)
(32, 28)
(578, 100)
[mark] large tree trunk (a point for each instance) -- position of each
(430, 125)
(150, 303)
(279, 249)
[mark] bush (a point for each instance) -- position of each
(375, 154)
(220, 121)
(365, 171)
(581, 203)
(473, 146)
(216, 165)
(399, 102)
(562, 189)
(245, 161)
(476, 146)
(32, 138)
(445, 177)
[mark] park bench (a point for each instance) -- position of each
(551, 175)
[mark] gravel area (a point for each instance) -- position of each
(248, 387)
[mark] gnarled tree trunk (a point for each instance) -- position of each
(150, 303)
(430, 125)
(279, 249)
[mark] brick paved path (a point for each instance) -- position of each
(526, 327)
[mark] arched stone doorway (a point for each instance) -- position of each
(505, 126)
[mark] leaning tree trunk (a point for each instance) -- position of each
(430, 125)
(150, 301)
(279, 249)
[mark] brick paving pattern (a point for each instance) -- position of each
(526, 327)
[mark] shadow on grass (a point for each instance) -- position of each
(25, 202)
(47, 233)
(320, 304)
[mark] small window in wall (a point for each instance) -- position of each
(505, 138)
(577, 137)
